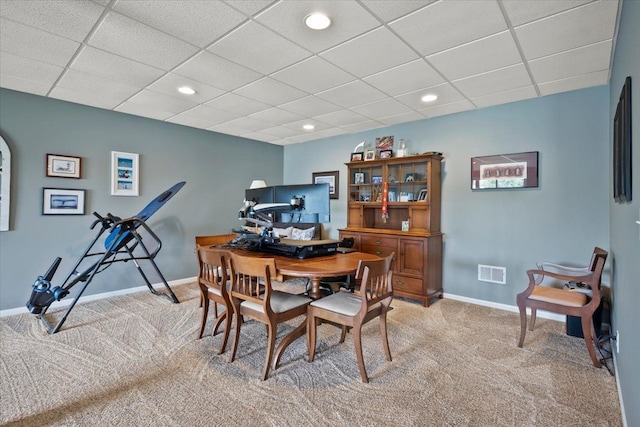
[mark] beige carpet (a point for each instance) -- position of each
(134, 361)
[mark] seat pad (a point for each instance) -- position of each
(558, 296)
(280, 302)
(341, 302)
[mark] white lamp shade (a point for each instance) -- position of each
(257, 183)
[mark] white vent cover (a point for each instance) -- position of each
(490, 273)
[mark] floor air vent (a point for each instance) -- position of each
(490, 273)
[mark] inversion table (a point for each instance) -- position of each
(119, 246)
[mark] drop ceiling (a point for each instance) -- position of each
(260, 73)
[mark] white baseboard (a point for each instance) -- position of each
(65, 303)
(615, 370)
(540, 313)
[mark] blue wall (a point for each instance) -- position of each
(217, 169)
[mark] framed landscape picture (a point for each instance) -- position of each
(330, 178)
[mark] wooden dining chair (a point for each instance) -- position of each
(253, 296)
(564, 301)
(214, 284)
(208, 241)
(354, 310)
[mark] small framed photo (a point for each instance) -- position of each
(63, 166)
(422, 195)
(357, 157)
(330, 178)
(124, 174)
(62, 201)
(376, 179)
(358, 178)
(386, 154)
(370, 155)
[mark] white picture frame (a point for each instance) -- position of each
(125, 175)
(63, 201)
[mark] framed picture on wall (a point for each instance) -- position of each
(504, 171)
(63, 166)
(330, 178)
(62, 201)
(124, 174)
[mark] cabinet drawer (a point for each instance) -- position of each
(381, 251)
(407, 284)
(379, 241)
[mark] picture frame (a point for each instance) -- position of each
(376, 179)
(358, 178)
(331, 178)
(125, 179)
(357, 156)
(63, 201)
(384, 143)
(386, 154)
(505, 171)
(422, 195)
(370, 155)
(62, 166)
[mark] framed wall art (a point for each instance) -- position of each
(63, 166)
(62, 201)
(331, 178)
(517, 170)
(124, 174)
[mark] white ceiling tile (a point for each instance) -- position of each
(523, 11)
(249, 123)
(382, 108)
(249, 7)
(260, 136)
(276, 116)
(445, 24)
(197, 22)
(143, 111)
(342, 118)
(186, 120)
(486, 54)
(446, 94)
(15, 83)
(584, 60)
(507, 78)
(28, 69)
(405, 78)
(310, 106)
(280, 131)
(96, 90)
(363, 126)
(36, 44)
(169, 84)
(298, 126)
(327, 133)
(411, 116)
(352, 94)
(237, 104)
(161, 102)
(591, 23)
(268, 90)
(229, 129)
(313, 75)
(205, 117)
(113, 67)
(216, 71)
(272, 53)
(442, 110)
(71, 19)
(573, 83)
(124, 36)
(506, 97)
(388, 10)
(354, 56)
(348, 20)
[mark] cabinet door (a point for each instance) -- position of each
(412, 257)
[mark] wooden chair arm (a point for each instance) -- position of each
(533, 283)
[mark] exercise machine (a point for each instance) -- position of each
(123, 243)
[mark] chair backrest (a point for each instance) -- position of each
(251, 279)
(213, 268)
(598, 259)
(217, 239)
(376, 277)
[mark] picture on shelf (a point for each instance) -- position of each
(384, 143)
(376, 179)
(422, 195)
(386, 154)
(357, 157)
(370, 155)
(358, 178)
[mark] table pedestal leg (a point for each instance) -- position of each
(315, 288)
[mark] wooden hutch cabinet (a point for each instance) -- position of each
(413, 196)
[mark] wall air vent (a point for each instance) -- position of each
(490, 273)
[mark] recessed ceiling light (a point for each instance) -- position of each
(308, 127)
(317, 21)
(186, 90)
(429, 98)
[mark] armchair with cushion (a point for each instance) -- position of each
(582, 303)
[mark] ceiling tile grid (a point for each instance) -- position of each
(260, 73)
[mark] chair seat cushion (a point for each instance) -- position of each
(558, 296)
(341, 302)
(280, 302)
